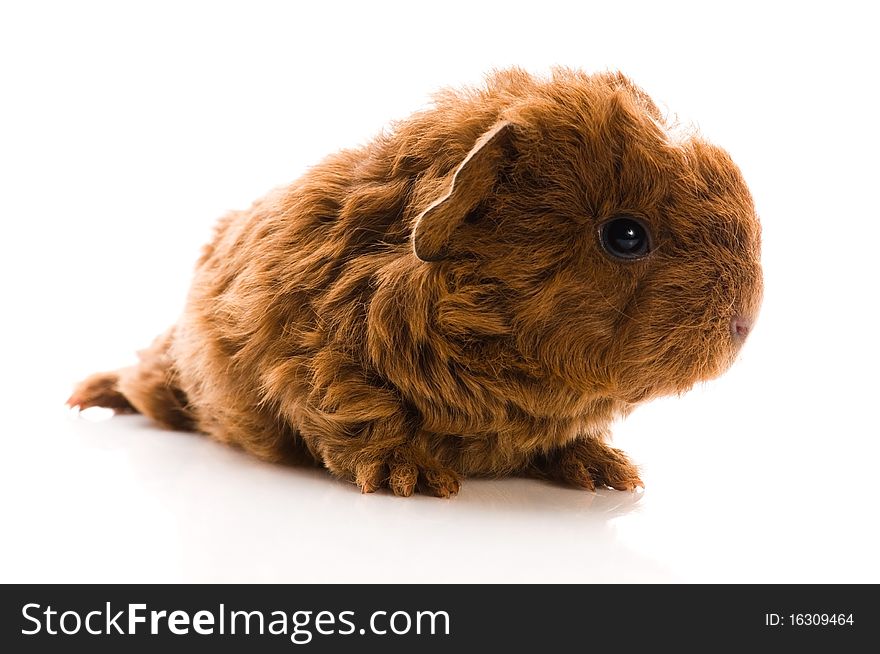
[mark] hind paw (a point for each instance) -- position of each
(99, 390)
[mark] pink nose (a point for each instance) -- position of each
(740, 326)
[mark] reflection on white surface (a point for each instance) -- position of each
(95, 413)
(121, 500)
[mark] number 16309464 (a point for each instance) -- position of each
(809, 620)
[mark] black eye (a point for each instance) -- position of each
(625, 238)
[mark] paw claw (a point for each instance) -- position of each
(403, 478)
(439, 483)
(579, 475)
(370, 477)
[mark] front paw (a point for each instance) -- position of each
(404, 471)
(590, 463)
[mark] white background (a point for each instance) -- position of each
(126, 129)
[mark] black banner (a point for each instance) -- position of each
(433, 618)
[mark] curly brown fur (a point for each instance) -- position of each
(437, 303)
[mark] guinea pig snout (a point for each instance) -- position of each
(740, 326)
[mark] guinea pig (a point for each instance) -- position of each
(479, 291)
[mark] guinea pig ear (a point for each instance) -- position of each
(471, 184)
